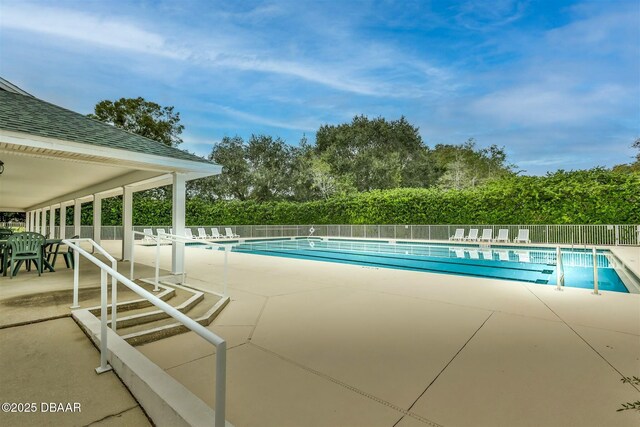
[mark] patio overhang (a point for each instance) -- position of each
(41, 172)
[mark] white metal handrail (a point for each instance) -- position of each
(218, 342)
(114, 281)
(180, 239)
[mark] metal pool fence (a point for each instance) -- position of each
(578, 235)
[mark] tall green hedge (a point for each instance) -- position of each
(595, 196)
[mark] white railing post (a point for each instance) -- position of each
(221, 383)
(559, 269)
(156, 288)
(104, 366)
(76, 278)
(133, 246)
(225, 274)
(114, 298)
(595, 271)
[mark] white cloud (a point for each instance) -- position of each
(308, 125)
(83, 27)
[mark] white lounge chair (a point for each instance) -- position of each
(147, 238)
(161, 231)
(230, 233)
(459, 234)
(473, 235)
(523, 236)
(215, 234)
(202, 234)
(188, 234)
(503, 235)
(487, 233)
(171, 231)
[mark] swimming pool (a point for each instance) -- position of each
(524, 264)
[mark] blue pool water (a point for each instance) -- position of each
(525, 264)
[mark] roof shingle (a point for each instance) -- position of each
(27, 114)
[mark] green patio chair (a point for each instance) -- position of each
(25, 247)
(68, 256)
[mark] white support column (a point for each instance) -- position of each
(43, 226)
(97, 218)
(52, 221)
(127, 222)
(27, 222)
(77, 217)
(63, 220)
(38, 219)
(178, 219)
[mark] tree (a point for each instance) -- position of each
(377, 153)
(630, 167)
(141, 117)
(464, 166)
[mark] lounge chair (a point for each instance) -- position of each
(171, 231)
(188, 234)
(215, 234)
(523, 236)
(503, 235)
(473, 235)
(147, 239)
(161, 231)
(459, 234)
(487, 233)
(230, 233)
(202, 234)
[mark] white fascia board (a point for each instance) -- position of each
(154, 162)
(3, 209)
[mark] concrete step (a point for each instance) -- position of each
(166, 293)
(204, 313)
(184, 301)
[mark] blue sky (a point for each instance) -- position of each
(556, 82)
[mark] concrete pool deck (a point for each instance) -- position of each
(322, 344)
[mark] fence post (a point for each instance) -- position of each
(156, 288)
(595, 272)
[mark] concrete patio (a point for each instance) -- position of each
(320, 344)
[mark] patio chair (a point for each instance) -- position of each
(523, 236)
(473, 235)
(160, 231)
(68, 256)
(202, 234)
(459, 234)
(147, 239)
(230, 233)
(503, 235)
(188, 234)
(487, 233)
(25, 247)
(215, 234)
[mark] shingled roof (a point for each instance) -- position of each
(21, 112)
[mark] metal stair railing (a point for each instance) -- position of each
(218, 342)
